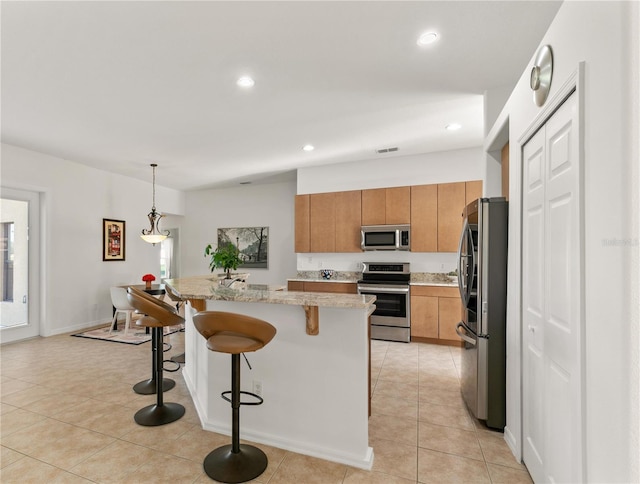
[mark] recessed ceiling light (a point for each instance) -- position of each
(453, 127)
(245, 81)
(308, 148)
(427, 38)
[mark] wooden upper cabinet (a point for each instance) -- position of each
(398, 205)
(302, 224)
(373, 206)
(504, 158)
(322, 223)
(473, 191)
(424, 218)
(330, 222)
(386, 206)
(451, 203)
(348, 221)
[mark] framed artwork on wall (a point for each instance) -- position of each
(251, 242)
(112, 239)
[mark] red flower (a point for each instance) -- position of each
(148, 278)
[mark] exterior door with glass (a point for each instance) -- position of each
(19, 265)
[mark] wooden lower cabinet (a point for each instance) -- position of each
(424, 316)
(449, 315)
(435, 312)
(295, 286)
(320, 286)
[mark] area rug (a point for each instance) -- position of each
(135, 336)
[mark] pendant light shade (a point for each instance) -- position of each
(154, 234)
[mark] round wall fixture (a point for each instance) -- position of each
(541, 74)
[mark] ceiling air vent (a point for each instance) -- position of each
(387, 150)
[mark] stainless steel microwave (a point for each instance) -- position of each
(385, 237)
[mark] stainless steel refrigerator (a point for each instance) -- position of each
(482, 279)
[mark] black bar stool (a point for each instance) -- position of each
(179, 303)
(234, 334)
(157, 315)
(148, 387)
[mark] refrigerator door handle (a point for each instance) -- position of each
(464, 336)
(460, 281)
(466, 263)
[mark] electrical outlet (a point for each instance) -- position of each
(257, 387)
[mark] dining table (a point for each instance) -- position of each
(154, 290)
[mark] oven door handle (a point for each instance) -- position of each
(380, 290)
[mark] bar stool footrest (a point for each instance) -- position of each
(223, 465)
(170, 370)
(228, 392)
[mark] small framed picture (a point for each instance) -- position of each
(112, 239)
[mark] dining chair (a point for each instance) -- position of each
(121, 305)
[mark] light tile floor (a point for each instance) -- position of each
(67, 406)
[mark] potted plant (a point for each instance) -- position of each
(226, 257)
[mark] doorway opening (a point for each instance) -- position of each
(169, 260)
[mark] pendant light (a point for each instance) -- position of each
(154, 235)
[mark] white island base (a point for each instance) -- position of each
(315, 387)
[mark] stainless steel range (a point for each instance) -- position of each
(389, 282)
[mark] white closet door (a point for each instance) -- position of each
(552, 402)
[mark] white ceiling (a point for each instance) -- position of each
(119, 85)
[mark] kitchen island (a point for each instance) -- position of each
(314, 380)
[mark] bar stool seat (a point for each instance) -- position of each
(234, 334)
(148, 387)
(157, 315)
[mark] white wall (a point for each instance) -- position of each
(604, 36)
(270, 205)
(75, 280)
(393, 171)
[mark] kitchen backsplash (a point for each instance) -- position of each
(431, 262)
(343, 276)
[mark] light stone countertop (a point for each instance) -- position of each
(207, 287)
(433, 279)
(417, 278)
